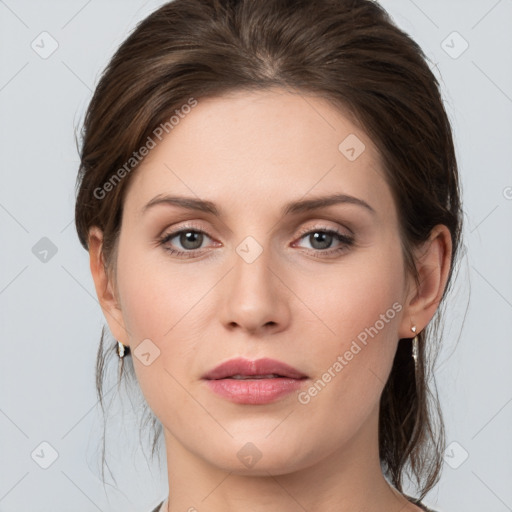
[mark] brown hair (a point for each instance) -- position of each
(347, 51)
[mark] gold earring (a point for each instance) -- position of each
(415, 347)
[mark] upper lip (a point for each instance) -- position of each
(245, 367)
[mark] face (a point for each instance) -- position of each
(319, 287)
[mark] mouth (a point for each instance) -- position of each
(254, 382)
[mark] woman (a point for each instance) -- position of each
(269, 195)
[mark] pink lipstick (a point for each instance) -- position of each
(254, 382)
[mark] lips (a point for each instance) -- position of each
(259, 382)
(243, 369)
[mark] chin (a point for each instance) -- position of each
(259, 457)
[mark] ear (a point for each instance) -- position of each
(105, 287)
(433, 260)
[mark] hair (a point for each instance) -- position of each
(346, 51)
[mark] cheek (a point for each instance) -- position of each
(156, 295)
(158, 304)
(358, 308)
(354, 296)
(166, 304)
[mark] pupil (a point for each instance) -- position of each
(189, 240)
(321, 237)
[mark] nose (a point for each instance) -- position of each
(254, 296)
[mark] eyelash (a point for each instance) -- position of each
(347, 240)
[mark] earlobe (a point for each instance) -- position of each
(433, 261)
(105, 287)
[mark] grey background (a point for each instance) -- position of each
(50, 318)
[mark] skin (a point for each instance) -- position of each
(250, 153)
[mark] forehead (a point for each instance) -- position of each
(260, 148)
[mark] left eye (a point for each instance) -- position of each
(322, 239)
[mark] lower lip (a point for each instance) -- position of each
(254, 391)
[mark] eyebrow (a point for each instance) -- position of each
(290, 208)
